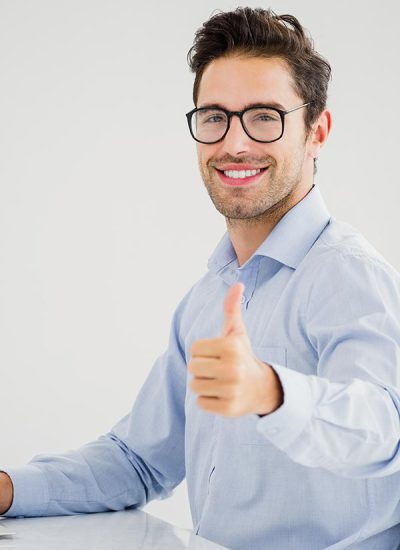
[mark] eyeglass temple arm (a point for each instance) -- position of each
(296, 108)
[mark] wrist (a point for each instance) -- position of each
(6, 492)
(273, 391)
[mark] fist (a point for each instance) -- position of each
(228, 378)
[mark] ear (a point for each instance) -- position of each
(319, 133)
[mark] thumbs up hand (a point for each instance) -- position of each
(228, 378)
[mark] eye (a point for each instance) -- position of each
(263, 115)
(267, 116)
(214, 118)
(210, 116)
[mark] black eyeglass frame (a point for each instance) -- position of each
(240, 114)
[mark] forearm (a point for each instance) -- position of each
(98, 477)
(6, 492)
(350, 429)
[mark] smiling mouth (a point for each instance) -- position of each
(240, 177)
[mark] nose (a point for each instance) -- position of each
(236, 140)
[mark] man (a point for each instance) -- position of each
(278, 396)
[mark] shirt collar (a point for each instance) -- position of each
(291, 238)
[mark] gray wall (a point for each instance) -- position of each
(104, 223)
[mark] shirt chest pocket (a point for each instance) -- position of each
(246, 426)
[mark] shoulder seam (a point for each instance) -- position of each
(357, 253)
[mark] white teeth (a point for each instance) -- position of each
(240, 174)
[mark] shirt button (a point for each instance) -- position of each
(243, 299)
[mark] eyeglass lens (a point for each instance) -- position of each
(261, 123)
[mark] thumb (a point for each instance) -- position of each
(233, 321)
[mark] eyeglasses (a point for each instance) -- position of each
(260, 122)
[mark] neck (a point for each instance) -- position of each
(248, 234)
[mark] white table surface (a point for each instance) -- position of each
(128, 529)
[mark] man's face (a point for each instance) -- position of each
(286, 165)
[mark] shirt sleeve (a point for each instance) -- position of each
(345, 418)
(140, 459)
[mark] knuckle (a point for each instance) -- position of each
(200, 347)
(202, 403)
(193, 349)
(193, 366)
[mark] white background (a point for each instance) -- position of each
(104, 222)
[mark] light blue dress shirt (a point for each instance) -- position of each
(323, 471)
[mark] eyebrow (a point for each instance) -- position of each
(274, 104)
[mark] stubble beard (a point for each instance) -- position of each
(269, 200)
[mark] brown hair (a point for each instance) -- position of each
(262, 33)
